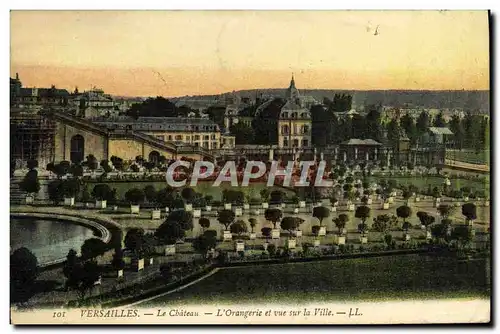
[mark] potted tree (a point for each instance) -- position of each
(406, 196)
(246, 204)
(208, 203)
(256, 202)
(290, 224)
(264, 195)
(321, 212)
(363, 213)
(206, 243)
(101, 194)
(226, 218)
(204, 223)
(277, 197)
(350, 197)
(469, 211)
(315, 231)
(135, 197)
(168, 234)
(188, 194)
(333, 203)
(266, 233)
(426, 220)
(436, 193)
(253, 223)
(239, 227)
(340, 222)
(70, 188)
(301, 200)
(295, 201)
(134, 241)
(118, 263)
(152, 196)
(404, 212)
(30, 185)
(274, 216)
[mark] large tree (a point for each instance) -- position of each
(243, 133)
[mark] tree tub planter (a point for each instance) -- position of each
(417, 199)
(246, 206)
(119, 273)
(208, 208)
(196, 213)
(29, 200)
(316, 242)
(265, 245)
(302, 204)
(134, 209)
(227, 236)
(252, 236)
(188, 207)
(406, 237)
(363, 239)
(239, 246)
(275, 233)
(227, 206)
(169, 250)
(291, 243)
(486, 203)
(351, 207)
(466, 198)
(391, 200)
(369, 201)
(238, 212)
(318, 204)
(100, 204)
(298, 233)
(282, 205)
(385, 206)
(423, 227)
(69, 201)
(457, 204)
(340, 239)
(167, 210)
(265, 205)
(333, 209)
(296, 210)
(115, 207)
(322, 231)
(156, 214)
(139, 265)
(256, 212)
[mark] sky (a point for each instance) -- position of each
(176, 53)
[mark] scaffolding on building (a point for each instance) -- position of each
(32, 136)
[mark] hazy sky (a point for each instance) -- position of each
(172, 53)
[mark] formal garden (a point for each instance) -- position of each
(171, 235)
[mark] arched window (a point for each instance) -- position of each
(154, 156)
(77, 149)
(305, 143)
(285, 142)
(295, 143)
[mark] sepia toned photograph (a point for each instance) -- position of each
(250, 167)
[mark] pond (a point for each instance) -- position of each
(379, 278)
(49, 240)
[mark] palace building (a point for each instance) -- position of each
(294, 123)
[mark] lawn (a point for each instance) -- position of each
(394, 277)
